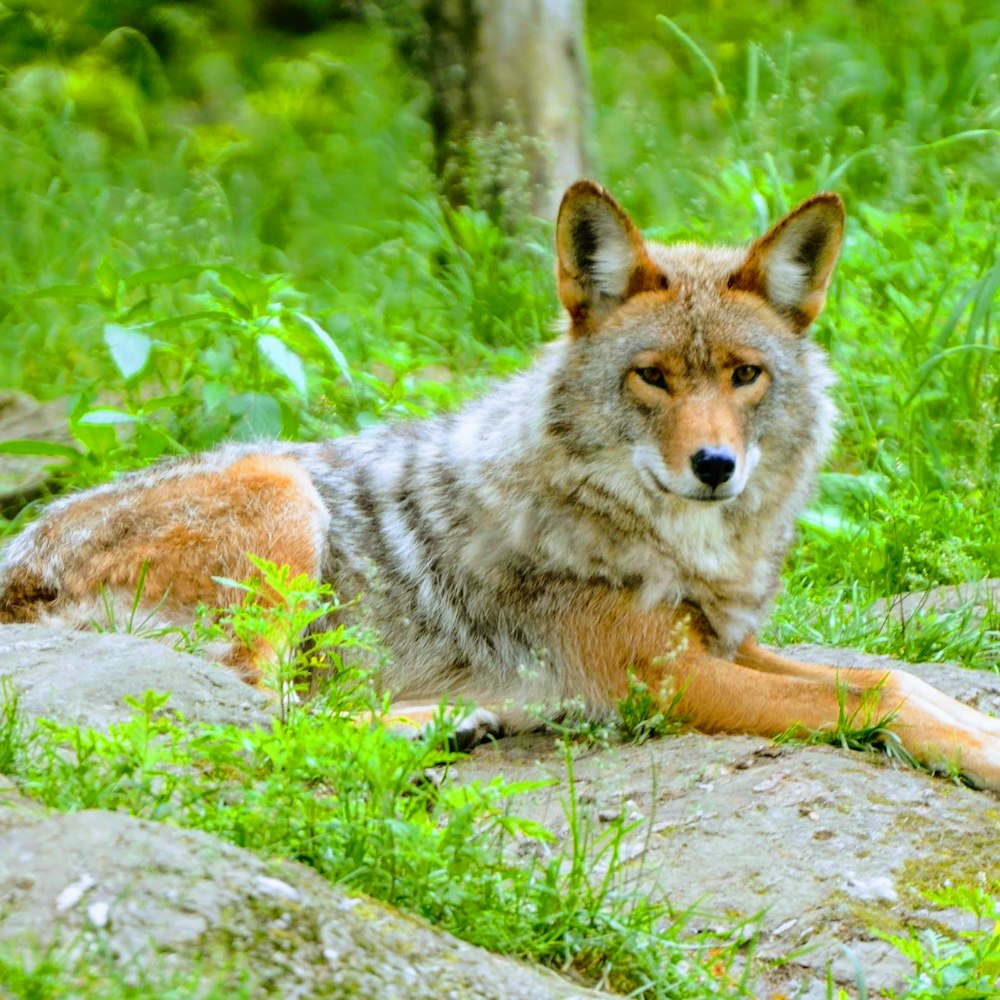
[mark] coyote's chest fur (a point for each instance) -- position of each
(473, 535)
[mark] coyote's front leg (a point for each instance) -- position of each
(767, 693)
(606, 635)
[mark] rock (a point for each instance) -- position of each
(22, 417)
(977, 595)
(154, 897)
(82, 678)
(823, 847)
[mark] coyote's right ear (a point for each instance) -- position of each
(602, 260)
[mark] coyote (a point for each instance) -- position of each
(622, 507)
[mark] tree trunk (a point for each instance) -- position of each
(517, 66)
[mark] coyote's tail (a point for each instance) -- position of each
(24, 594)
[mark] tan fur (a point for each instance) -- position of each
(574, 285)
(752, 277)
(624, 506)
(262, 504)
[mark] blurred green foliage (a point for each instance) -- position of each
(247, 210)
(220, 219)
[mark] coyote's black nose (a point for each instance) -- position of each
(713, 466)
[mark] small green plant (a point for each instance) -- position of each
(865, 727)
(136, 620)
(15, 739)
(955, 965)
(644, 714)
(277, 622)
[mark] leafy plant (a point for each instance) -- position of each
(278, 623)
(955, 965)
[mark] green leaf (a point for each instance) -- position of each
(284, 360)
(186, 319)
(838, 489)
(249, 292)
(163, 275)
(829, 522)
(172, 401)
(328, 343)
(129, 349)
(107, 280)
(214, 393)
(108, 415)
(27, 447)
(152, 441)
(79, 292)
(219, 359)
(99, 439)
(260, 416)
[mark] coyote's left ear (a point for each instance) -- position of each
(602, 260)
(791, 264)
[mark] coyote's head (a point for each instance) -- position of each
(692, 360)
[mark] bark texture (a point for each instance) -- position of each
(517, 66)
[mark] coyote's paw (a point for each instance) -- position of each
(947, 735)
(476, 727)
(472, 725)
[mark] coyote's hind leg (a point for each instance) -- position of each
(175, 530)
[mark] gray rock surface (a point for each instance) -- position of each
(154, 896)
(978, 596)
(821, 848)
(82, 678)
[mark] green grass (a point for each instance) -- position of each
(709, 126)
(34, 974)
(319, 789)
(864, 729)
(231, 232)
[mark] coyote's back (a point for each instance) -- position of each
(623, 506)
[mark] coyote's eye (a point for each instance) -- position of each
(653, 377)
(745, 374)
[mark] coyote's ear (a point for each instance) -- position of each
(791, 264)
(602, 260)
